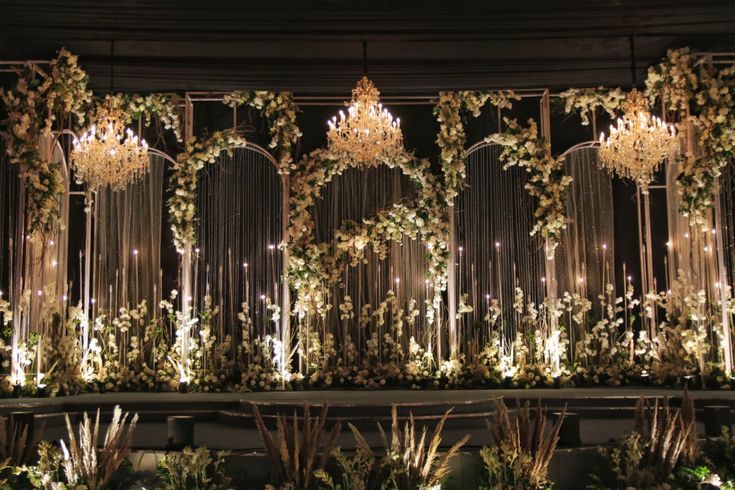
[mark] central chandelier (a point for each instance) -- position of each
(108, 154)
(638, 143)
(367, 134)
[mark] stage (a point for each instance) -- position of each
(224, 420)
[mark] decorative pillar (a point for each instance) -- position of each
(550, 252)
(722, 279)
(285, 289)
(452, 286)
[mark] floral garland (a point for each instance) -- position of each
(33, 105)
(185, 178)
(452, 137)
(523, 147)
(313, 265)
(163, 106)
(704, 99)
(279, 110)
(673, 81)
(588, 100)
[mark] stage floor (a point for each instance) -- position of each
(605, 413)
(363, 396)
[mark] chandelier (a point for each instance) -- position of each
(108, 154)
(638, 144)
(367, 134)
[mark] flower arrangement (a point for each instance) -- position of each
(700, 97)
(587, 101)
(523, 147)
(185, 179)
(279, 110)
(452, 138)
(163, 106)
(313, 266)
(33, 106)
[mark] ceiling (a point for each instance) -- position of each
(316, 47)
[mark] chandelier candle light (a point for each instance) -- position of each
(638, 143)
(108, 154)
(368, 133)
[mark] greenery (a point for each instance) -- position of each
(522, 448)
(192, 469)
(185, 179)
(662, 442)
(525, 148)
(33, 105)
(450, 111)
(279, 110)
(587, 101)
(700, 98)
(300, 450)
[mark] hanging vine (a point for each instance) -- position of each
(524, 147)
(701, 98)
(185, 179)
(33, 106)
(279, 110)
(450, 112)
(314, 266)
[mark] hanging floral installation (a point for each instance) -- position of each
(185, 179)
(314, 266)
(163, 106)
(279, 110)
(523, 147)
(587, 101)
(449, 112)
(155, 346)
(34, 105)
(700, 98)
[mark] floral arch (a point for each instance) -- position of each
(313, 266)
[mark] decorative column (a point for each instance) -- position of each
(550, 253)
(452, 286)
(285, 289)
(186, 262)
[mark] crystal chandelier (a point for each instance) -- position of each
(108, 154)
(638, 144)
(367, 134)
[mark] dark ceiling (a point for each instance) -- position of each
(317, 47)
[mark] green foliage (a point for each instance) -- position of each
(508, 467)
(356, 473)
(192, 469)
(410, 460)
(662, 442)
